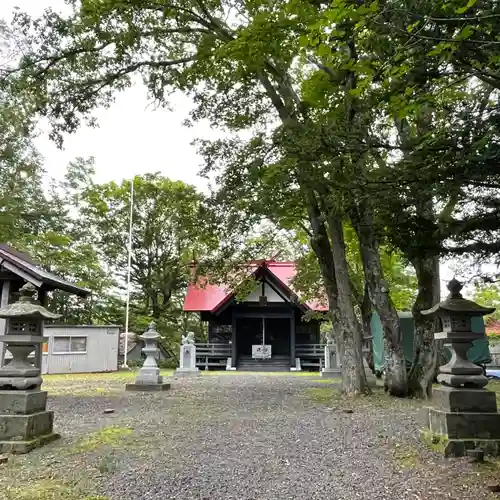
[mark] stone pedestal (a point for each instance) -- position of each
(187, 366)
(332, 367)
(463, 415)
(24, 422)
(137, 386)
(149, 379)
(461, 420)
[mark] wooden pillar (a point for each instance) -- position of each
(209, 332)
(292, 339)
(4, 300)
(233, 341)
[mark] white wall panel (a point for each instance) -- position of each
(101, 355)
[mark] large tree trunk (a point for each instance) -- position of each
(396, 381)
(366, 316)
(320, 244)
(426, 348)
(353, 373)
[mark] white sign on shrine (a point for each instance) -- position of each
(261, 351)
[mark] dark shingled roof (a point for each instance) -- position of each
(25, 267)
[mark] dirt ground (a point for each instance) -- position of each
(235, 436)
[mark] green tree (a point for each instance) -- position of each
(338, 82)
(196, 47)
(488, 295)
(169, 227)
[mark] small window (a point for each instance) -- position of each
(67, 345)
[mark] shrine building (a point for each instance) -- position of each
(265, 331)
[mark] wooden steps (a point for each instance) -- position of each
(275, 364)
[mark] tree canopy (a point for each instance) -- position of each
(378, 118)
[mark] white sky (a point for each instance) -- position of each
(132, 137)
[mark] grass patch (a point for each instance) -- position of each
(82, 391)
(378, 399)
(436, 442)
(495, 387)
(107, 465)
(333, 381)
(322, 395)
(48, 490)
(90, 384)
(405, 456)
(108, 437)
(489, 469)
(119, 376)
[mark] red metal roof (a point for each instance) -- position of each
(203, 296)
(493, 327)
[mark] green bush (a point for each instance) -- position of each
(167, 364)
(493, 338)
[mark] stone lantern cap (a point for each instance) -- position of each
(27, 306)
(150, 333)
(456, 305)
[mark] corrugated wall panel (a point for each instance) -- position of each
(101, 355)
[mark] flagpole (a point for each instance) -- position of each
(129, 265)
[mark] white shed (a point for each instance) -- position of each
(80, 348)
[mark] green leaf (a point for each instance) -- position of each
(465, 8)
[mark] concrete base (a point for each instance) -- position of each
(135, 387)
(22, 402)
(331, 373)
(453, 433)
(462, 419)
(458, 447)
(22, 433)
(463, 425)
(21, 447)
(464, 400)
(184, 373)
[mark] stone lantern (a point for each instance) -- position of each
(149, 379)
(24, 422)
(464, 414)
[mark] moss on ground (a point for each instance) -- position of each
(322, 395)
(108, 437)
(405, 456)
(436, 442)
(489, 470)
(90, 384)
(48, 490)
(332, 381)
(377, 399)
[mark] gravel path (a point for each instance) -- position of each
(243, 437)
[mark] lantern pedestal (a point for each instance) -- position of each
(149, 379)
(24, 422)
(453, 433)
(138, 387)
(463, 415)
